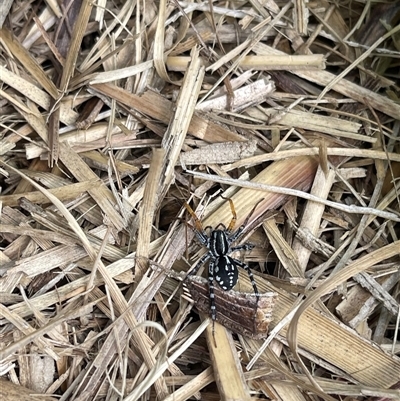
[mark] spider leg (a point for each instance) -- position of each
(235, 235)
(251, 277)
(244, 247)
(199, 263)
(211, 289)
(234, 216)
(220, 225)
(198, 227)
(253, 283)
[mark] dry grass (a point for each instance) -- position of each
(115, 113)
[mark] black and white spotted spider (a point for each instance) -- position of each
(222, 268)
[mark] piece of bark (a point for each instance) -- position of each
(238, 311)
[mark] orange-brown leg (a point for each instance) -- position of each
(251, 212)
(234, 216)
(197, 222)
(198, 227)
(233, 237)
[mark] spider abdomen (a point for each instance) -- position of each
(219, 245)
(226, 272)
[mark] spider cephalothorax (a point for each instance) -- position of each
(222, 268)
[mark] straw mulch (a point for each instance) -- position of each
(115, 113)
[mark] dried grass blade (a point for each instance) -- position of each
(147, 212)
(193, 386)
(352, 269)
(180, 121)
(5, 7)
(84, 310)
(345, 87)
(331, 341)
(76, 40)
(282, 249)
(161, 369)
(28, 62)
(226, 365)
(63, 193)
(101, 194)
(311, 218)
(253, 186)
(38, 96)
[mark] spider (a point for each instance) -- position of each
(222, 268)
